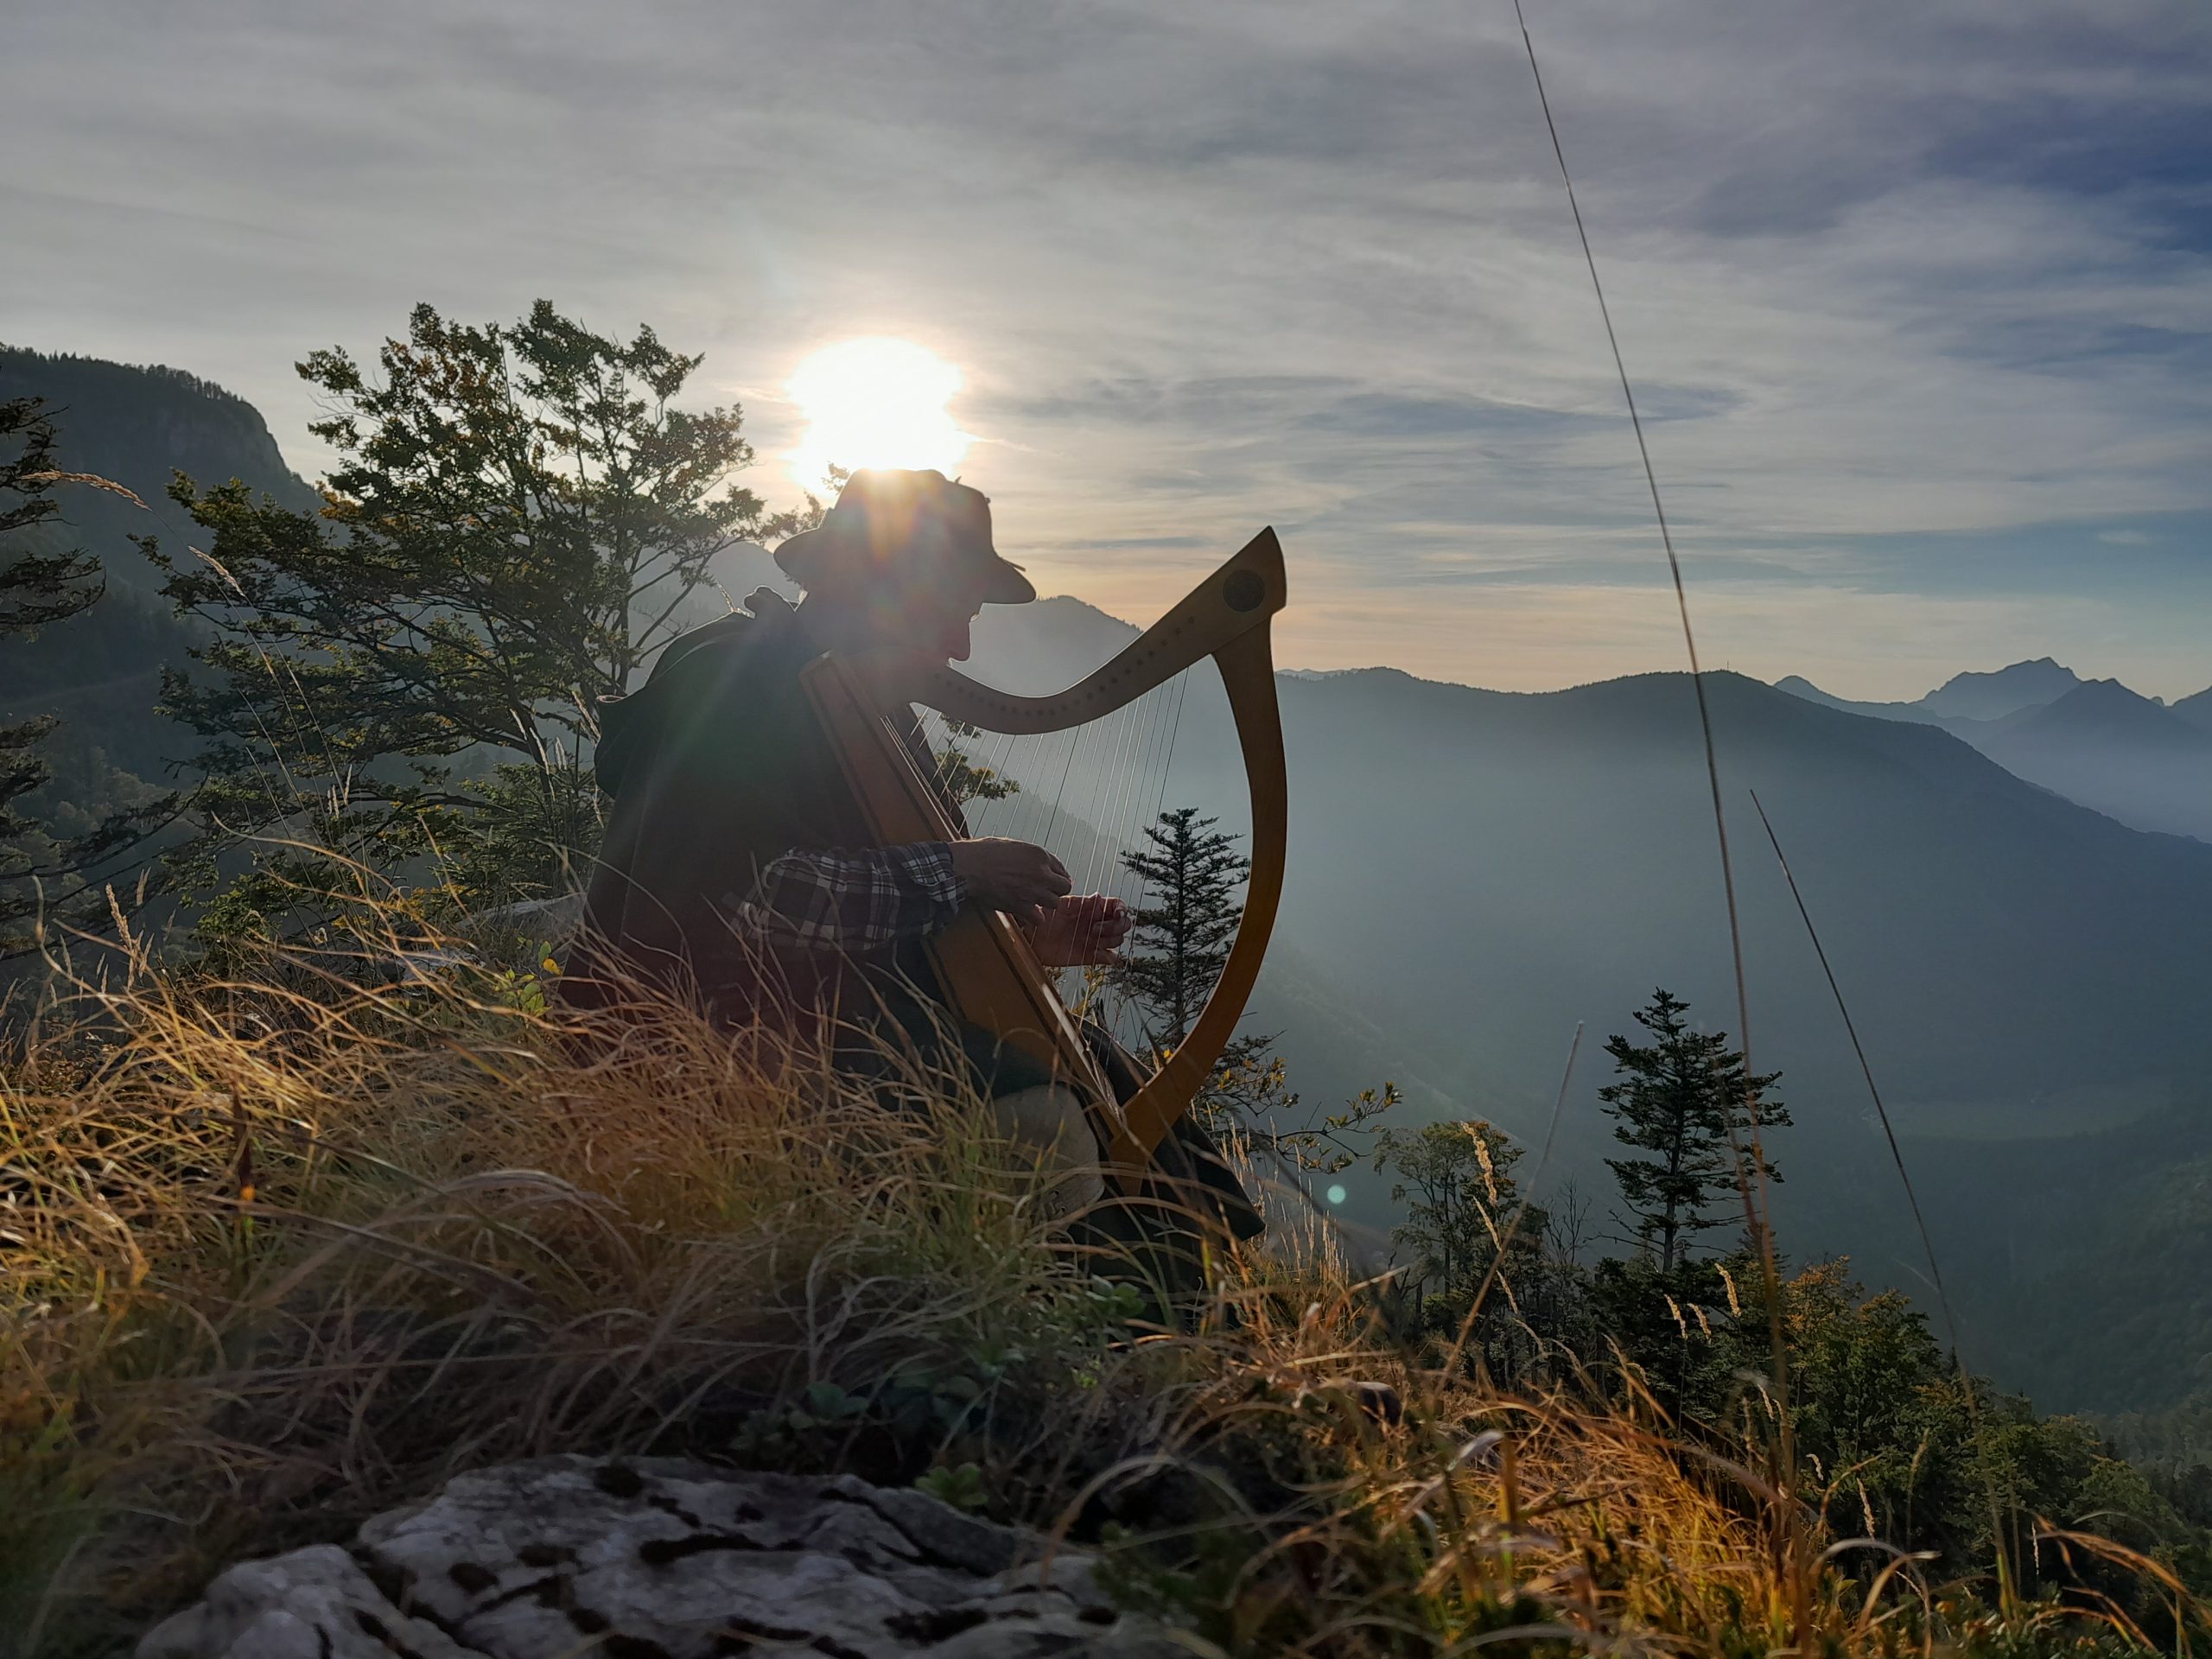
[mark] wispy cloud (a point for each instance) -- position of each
(1920, 299)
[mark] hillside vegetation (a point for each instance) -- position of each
(287, 1248)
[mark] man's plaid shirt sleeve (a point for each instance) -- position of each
(853, 900)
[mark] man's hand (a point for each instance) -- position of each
(1022, 879)
(1078, 933)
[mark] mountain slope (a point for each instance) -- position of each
(137, 426)
(2095, 742)
(100, 671)
(2102, 745)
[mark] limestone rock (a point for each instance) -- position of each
(311, 1603)
(662, 1559)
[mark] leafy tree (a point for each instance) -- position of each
(1686, 1099)
(43, 582)
(1456, 1181)
(1471, 1247)
(517, 514)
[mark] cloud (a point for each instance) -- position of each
(1912, 297)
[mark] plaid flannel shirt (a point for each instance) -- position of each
(853, 900)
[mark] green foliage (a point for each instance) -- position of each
(1479, 1272)
(1686, 1099)
(1456, 1181)
(406, 679)
(961, 1486)
(1897, 1444)
(38, 585)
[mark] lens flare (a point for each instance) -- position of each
(875, 402)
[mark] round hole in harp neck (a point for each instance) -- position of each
(1244, 591)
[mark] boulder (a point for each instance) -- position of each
(657, 1558)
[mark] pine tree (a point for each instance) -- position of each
(1180, 936)
(1683, 1097)
(1179, 944)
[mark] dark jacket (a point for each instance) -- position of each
(716, 766)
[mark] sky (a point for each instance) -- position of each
(1916, 298)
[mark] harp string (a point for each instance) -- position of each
(1125, 881)
(1138, 756)
(1149, 803)
(1096, 790)
(1127, 775)
(1160, 803)
(1115, 880)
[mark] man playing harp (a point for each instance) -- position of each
(736, 867)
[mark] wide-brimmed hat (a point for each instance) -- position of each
(908, 528)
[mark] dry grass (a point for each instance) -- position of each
(285, 1250)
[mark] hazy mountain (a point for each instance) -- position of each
(1913, 713)
(1571, 832)
(100, 671)
(2102, 745)
(2095, 742)
(2008, 690)
(1965, 704)
(137, 426)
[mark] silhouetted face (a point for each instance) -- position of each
(927, 625)
(941, 619)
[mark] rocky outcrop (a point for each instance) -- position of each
(662, 1559)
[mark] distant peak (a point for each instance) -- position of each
(2106, 694)
(2007, 690)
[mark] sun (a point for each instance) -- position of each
(875, 402)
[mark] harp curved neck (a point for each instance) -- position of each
(1236, 598)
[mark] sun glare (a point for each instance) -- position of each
(875, 402)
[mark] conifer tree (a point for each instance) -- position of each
(1182, 929)
(1682, 1098)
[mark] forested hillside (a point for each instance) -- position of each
(100, 672)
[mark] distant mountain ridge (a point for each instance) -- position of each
(2093, 742)
(100, 672)
(137, 426)
(2007, 692)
